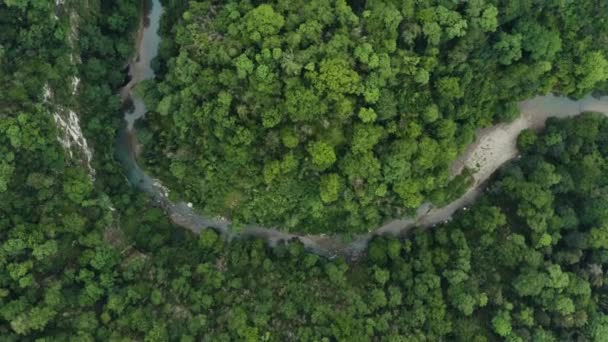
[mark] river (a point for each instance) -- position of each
(494, 146)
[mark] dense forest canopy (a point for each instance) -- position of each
(528, 263)
(322, 116)
(91, 259)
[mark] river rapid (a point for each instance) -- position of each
(494, 147)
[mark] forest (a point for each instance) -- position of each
(87, 257)
(323, 116)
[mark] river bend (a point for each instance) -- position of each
(494, 147)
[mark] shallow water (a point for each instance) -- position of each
(493, 147)
(141, 68)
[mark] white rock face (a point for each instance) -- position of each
(47, 93)
(67, 120)
(75, 84)
(69, 124)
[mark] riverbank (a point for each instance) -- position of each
(494, 147)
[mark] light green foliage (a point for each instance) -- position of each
(598, 237)
(531, 283)
(433, 32)
(289, 139)
(598, 329)
(502, 323)
(488, 21)
(367, 115)
(244, 66)
(449, 88)
(330, 187)
(592, 69)
(69, 269)
(431, 114)
(79, 187)
(381, 276)
(164, 106)
(394, 89)
(542, 43)
(508, 48)
(366, 137)
(422, 76)
(271, 118)
(6, 171)
(526, 140)
(262, 21)
(322, 154)
(337, 76)
(207, 238)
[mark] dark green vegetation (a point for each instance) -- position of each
(105, 43)
(527, 263)
(314, 116)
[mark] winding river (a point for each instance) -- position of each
(493, 147)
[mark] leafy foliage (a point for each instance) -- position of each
(527, 262)
(381, 98)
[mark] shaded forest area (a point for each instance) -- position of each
(93, 260)
(315, 118)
